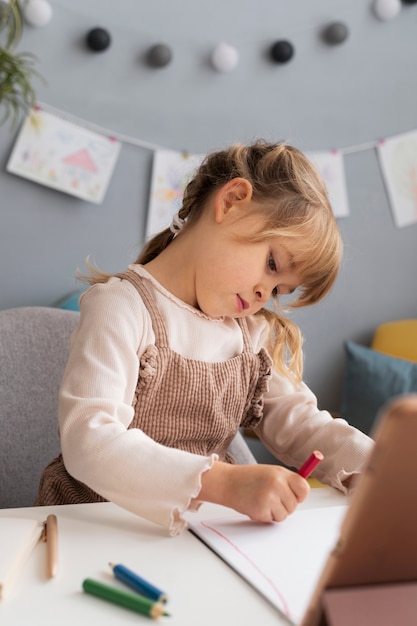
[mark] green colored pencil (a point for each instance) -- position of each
(128, 599)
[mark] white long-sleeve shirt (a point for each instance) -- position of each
(128, 467)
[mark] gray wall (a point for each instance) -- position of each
(326, 97)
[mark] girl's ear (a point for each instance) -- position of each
(234, 195)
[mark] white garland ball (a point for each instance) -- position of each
(224, 57)
(386, 9)
(38, 12)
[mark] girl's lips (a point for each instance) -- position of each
(241, 304)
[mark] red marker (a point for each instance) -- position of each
(312, 462)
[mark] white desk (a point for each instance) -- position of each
(203, 591)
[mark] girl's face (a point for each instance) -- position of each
(236, 278)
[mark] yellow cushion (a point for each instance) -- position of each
(397, 339)
(314, 483)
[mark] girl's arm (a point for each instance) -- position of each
(293, 427)
(124, 465)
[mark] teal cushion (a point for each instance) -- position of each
(371, 379)
(70, 303)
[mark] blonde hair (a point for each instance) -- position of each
(290, 195)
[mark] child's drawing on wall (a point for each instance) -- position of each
(57, 153)
(398, 158)
(331, 167)
(171, 172)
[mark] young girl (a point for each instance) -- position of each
(172, 356)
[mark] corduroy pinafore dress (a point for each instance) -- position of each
(179, 402)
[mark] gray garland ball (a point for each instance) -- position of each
(335, 33)
(159, 55)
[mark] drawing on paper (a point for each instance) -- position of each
(171, 172)
(398, 158)
(283, 561)
(60, 154)
(331, 168)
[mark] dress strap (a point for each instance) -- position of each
(247, 343)
(158, 325)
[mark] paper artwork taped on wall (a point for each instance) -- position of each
(331, 167)
(57, 153)
(171, 171)
(398, 159)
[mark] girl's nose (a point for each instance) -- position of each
(261, 293)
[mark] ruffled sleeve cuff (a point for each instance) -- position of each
(177, 521)
(346, 481)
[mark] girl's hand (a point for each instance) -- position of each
(266, 493)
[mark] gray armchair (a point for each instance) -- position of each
(34, 344)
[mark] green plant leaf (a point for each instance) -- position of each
(16, 70)
(16, 91)
(11, 22)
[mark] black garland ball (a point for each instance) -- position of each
(98, 39)
(282, 51)
(409, 1)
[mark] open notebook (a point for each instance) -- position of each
(301, 563)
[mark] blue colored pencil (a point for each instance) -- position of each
(138, 584)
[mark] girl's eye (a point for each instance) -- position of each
(273, 266)
(271, 263)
